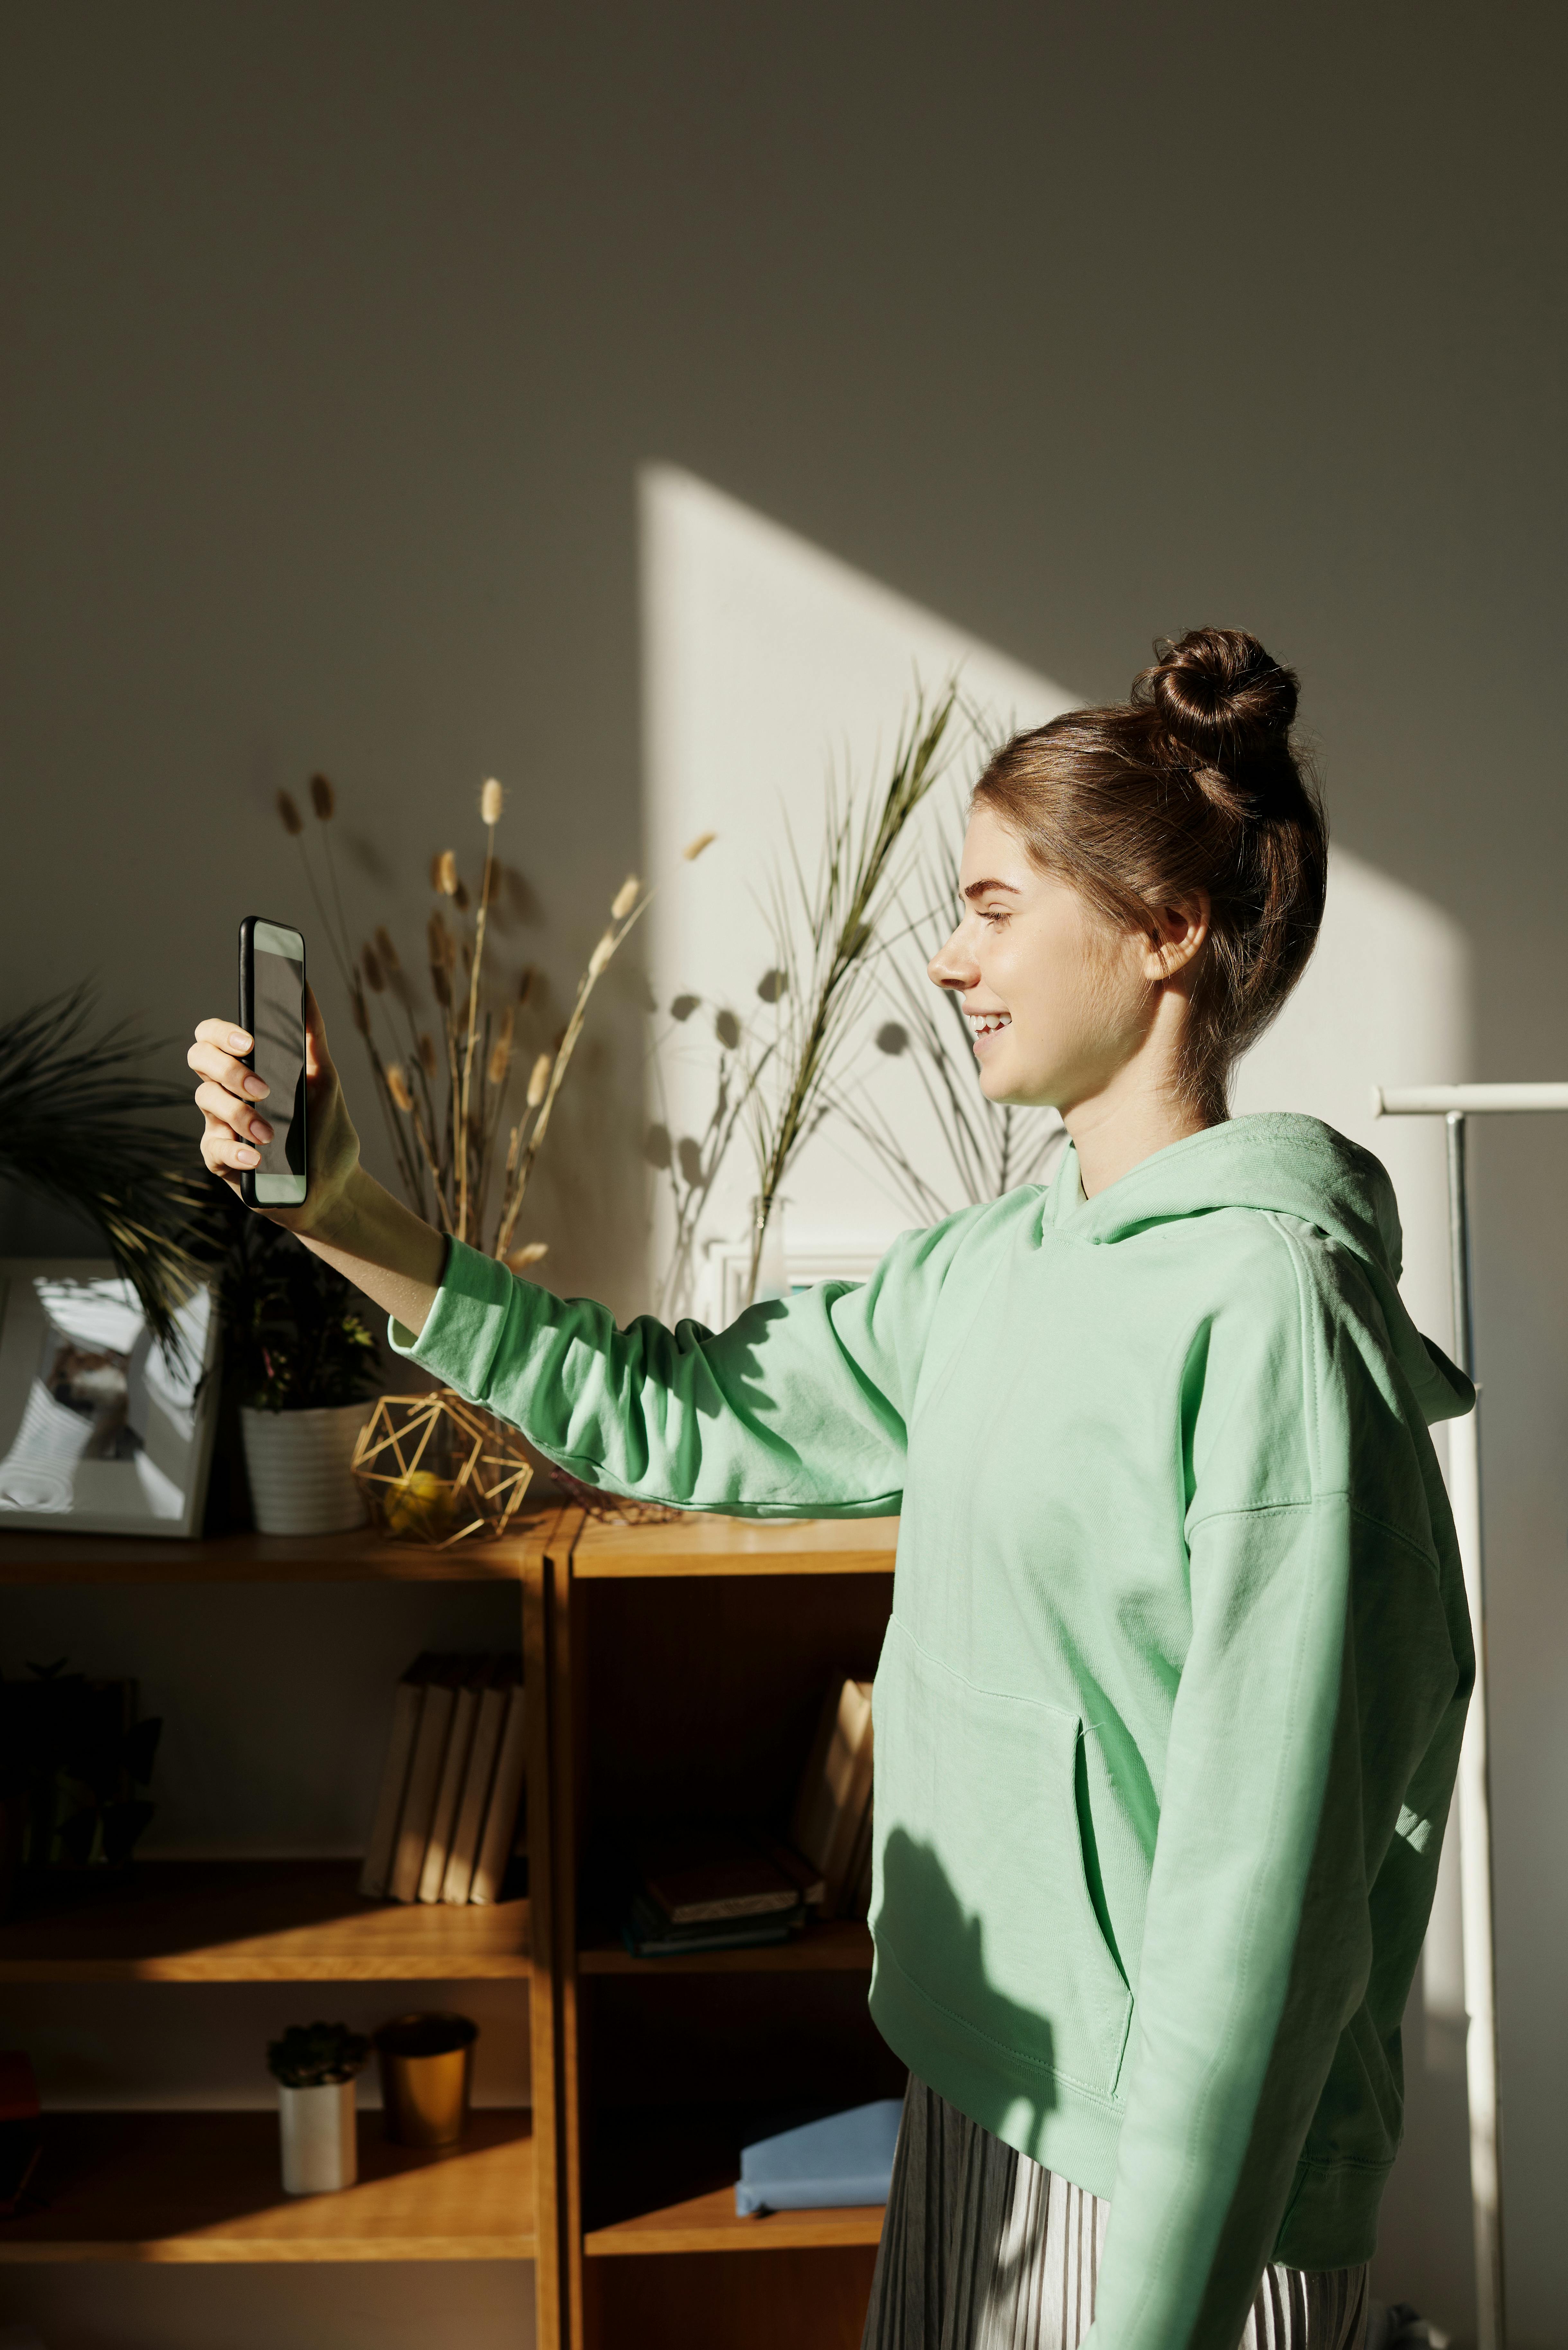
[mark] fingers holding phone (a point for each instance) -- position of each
(274, 1124)
(232, 1099)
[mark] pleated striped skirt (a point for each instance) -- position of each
(982, 2249)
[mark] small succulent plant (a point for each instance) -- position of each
(317, 2055)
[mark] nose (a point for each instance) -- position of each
(952, 965)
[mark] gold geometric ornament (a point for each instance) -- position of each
(434, 1469)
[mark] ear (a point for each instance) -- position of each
(1176, 935)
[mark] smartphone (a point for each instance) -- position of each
(272, 1013)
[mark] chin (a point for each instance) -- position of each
(1010, 1091)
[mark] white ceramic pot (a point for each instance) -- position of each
(298, 1464)
(320, 2148)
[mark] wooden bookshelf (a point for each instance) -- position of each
(204, 2187)
(259, 1921)
(167, 2186)
(675, 1668)
(687, 1664)
(364, 1557)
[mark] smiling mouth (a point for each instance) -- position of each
(987, 1023)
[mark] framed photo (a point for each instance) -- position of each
(728, 1262)
(100, 1431)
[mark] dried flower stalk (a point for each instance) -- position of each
(446, 1150)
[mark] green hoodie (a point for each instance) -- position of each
(1170, 1709)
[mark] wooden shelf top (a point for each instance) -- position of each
(836, 1946)
(698, 1543)
(165, 2187)
(666, 2183)
(708, 2223)
(363, 1557)
(259, 1921)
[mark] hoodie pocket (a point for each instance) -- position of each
(984, 1900)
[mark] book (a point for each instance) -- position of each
(408, 1698)
(494, 1694)
(836, 1786)
(846, 2159)
(811, 1883)
(649, 1934)
(699, 1876)
(424, 1778)
(454, 1769)
(501, 1813)
(855, 1901)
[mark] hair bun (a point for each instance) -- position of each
(1219, 693)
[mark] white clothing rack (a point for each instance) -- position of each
(1455, 1104)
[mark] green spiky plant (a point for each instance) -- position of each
(825, 929)
(80, 1129)
(317, 2055)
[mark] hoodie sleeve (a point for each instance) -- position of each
(1313, 1747)
(797, 1409)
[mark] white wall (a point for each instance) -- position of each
(337, 341)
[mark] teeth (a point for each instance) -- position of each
(985, 1023)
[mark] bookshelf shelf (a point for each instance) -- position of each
(708, 2223)
(171, 2187)
(702, 1545)
(363, 1557)
(837, 1946)
(261, 1921)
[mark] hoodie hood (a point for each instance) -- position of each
(1279, 1163)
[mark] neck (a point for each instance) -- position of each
(1128, 1121)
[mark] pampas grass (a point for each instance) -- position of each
(457, 1141)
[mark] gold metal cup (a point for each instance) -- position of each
(427, 2069)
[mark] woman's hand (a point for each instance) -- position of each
(233, 1103)
(347, 1219)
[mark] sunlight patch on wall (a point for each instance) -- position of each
(765, 661)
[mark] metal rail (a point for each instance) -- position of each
(1455, 1104)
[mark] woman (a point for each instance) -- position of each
(1170, 1708)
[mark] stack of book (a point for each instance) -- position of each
(716, 1889)
(447, 1814)
(720, 1888)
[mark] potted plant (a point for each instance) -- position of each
(316, 2067)
(305, 1368)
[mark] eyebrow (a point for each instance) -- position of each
(979, 889)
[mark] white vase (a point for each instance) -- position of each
(298, 1464)
(320, 2146)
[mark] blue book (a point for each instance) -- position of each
(846, 2160)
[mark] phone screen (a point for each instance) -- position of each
(278, 961)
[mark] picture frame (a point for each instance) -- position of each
(100, 1433)
(727, 1267)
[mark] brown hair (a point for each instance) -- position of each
(1192, 784)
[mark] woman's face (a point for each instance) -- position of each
(1058, 999)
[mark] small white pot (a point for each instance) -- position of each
(320, 2147)
(298, 1464)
